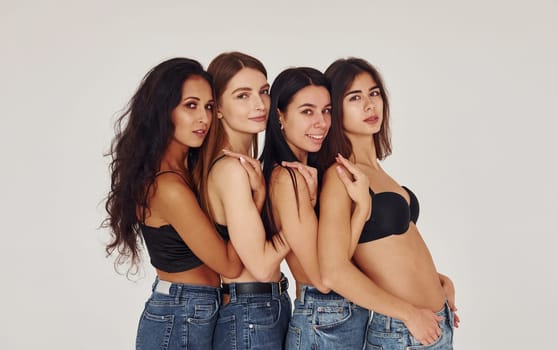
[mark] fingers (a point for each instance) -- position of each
(309, 173)
(343, 176)
(456, 320)
(349, 165)
(248, 167)
(253, 162)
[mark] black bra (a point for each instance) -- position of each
(391, 215)
(223, 231)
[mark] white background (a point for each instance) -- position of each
(473, 86)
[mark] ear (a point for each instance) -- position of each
(281, 118)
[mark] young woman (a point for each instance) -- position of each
(299, 121)
(396, 276)
(153, 199)
(256, 307)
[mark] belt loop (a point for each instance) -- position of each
(232, 292)
(178, 294)
(303, 288)
(388, 324)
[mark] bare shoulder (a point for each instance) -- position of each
(226, 168)
(171, 187)
(281, 179)
(332, 184)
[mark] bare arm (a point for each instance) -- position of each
(298, 224)
(341, 275)
(176, 204)
(246, 230)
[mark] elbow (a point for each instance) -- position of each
(232, 271)
(330, 277)
(264, 274)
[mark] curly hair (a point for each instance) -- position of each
(142, 134)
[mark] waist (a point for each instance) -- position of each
(381, 322)
(247, 288)
(184, 290)
(307, 293)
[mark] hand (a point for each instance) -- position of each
(255, 176)
(310, 174)
(449, 291)
(423, 325)
(358, 189)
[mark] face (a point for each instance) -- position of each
(306, 120)
(363, 106)
(245, 102)
(192, 116)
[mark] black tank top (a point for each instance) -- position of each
(167, 251)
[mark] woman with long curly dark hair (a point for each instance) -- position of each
(153, 201)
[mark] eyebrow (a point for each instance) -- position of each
(307, 105)
(248, 89)
(360, 91)
(191, 97)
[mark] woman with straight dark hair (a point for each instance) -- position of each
(396, 277)
(153, 199)
(256, 307)
(299, 121)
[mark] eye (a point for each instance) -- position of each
(326, 110)
(191, 105)
(265, 91)
(354, 98)
(306, 111)
(209, 106)
(375, 93)
(242, 96)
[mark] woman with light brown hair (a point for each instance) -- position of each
(256, 307)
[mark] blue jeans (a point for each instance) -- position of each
(253, 320)
(326, 321)
(386, 333)
(178, 316)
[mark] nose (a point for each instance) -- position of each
(259, 103)
(320, 121)
(204, 116)
(369, 103)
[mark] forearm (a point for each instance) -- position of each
(358, 219)
(347, 280)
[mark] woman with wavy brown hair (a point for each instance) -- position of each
(153, 201)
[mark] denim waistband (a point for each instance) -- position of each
(388, 323)
(275, 291)
(183, 290)
(308, 293)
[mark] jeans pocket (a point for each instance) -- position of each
(416, 345)
(154, 331)
(202, 311)
(331, 314)
(264, 313)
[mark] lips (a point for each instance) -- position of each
(318, 138)
(200, 132)
(260, 118)
(372, 119)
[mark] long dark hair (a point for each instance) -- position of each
(222, 69)
(143, 132)
(341, 75)
(276, 149)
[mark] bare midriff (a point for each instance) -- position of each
(246, 276)
(201, 275)
(403, 266)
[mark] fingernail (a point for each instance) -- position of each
(241, 159)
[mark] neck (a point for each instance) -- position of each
(364, 150)
(174, 157)
(239, 142)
